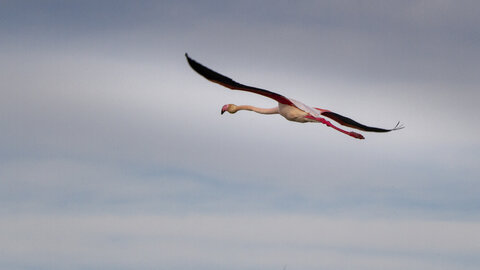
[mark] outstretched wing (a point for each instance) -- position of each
(229, 83)
(342, 120)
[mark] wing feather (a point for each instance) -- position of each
(229, 83)
(345, 121)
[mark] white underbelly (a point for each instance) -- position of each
(292, 113)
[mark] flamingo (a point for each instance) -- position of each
(291, 109)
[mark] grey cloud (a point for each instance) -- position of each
(101, 115)
(386, 41)
(244, 242)
(124, 114)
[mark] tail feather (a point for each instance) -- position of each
(354, 124)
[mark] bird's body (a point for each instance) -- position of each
(289, 108)
(292, 113)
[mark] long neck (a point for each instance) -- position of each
(258, 110)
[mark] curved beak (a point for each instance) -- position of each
(224, 108)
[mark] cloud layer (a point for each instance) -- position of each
(237, 242)
(113, 153)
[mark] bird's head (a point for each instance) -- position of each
(231, 108)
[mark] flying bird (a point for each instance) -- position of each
(289, 108)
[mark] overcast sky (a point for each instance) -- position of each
(114, 155)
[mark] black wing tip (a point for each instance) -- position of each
(210, 74)
(188, 58)
(398, 126)
(195, 65)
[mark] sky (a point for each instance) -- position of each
(114, 155)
